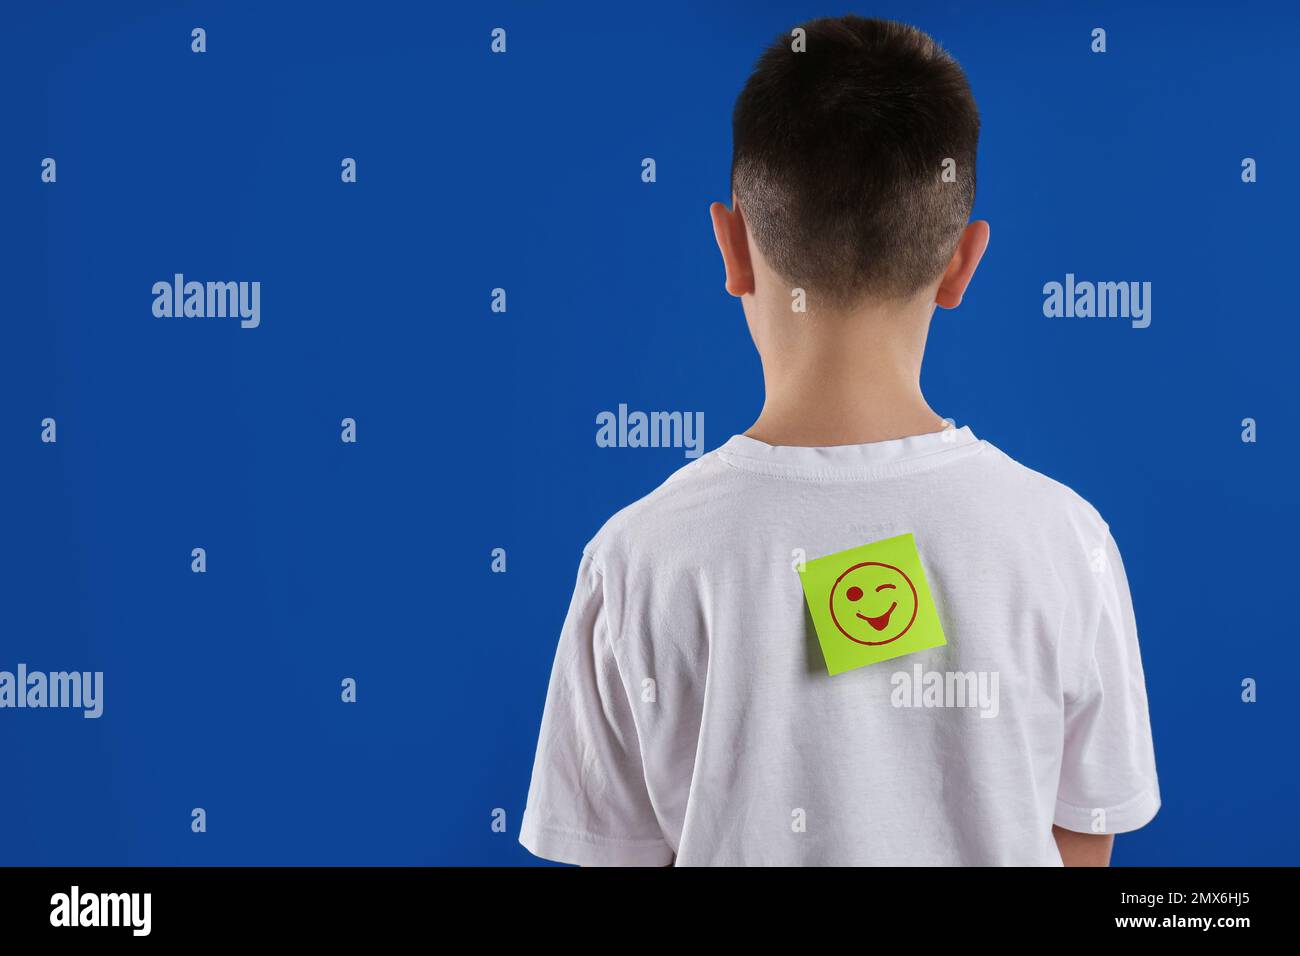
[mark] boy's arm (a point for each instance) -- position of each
(589, 803)
(1108, 776)
(1083, 849)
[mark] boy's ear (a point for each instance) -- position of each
(733, 243)
(970, 249)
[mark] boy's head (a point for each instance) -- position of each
(841, 146)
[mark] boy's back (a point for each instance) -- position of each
(690, 712)
(848, 635)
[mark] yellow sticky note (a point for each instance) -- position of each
(871, 603)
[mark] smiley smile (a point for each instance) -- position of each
(881, 622)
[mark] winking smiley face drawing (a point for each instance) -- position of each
(870, 603)
(873, 603)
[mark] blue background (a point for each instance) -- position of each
(476, 430)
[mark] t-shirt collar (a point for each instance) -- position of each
(875, 459)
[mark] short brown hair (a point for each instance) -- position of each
(838, 154)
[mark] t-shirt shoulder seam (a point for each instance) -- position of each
(629, 512)
(1070, 494)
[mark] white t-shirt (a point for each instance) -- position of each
(690, 715)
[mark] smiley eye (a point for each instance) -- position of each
(854, 593)
(884, 586)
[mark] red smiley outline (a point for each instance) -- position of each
(916, 602)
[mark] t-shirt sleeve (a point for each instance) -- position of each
(588, 802)
(1108, 773)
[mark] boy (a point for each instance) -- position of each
(985, 702)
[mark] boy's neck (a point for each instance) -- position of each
(849, 381)
(845, 420)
